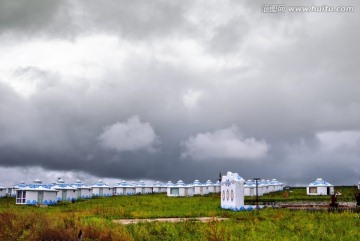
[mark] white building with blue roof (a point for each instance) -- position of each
(232, 191)
(120, 188)
(101, 189)
(180, 189)
(250, 188)
(217, 186)
(142, 188)
(198, 187)
(3, 191)
(35, 194)
(157, 187)
(131, 188)
(82, 190)
(209, 187)
(66, 192)
(320, 187)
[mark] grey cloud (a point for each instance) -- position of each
(284, 82)
(132, 135)
(224, 144)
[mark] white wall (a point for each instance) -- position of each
(85, 192)
(2, 192)
(232, 191)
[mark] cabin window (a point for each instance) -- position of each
(174, 191)
(312, 189)
(21, 197)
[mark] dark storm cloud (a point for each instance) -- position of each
(197, 73)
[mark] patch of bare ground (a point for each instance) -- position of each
(170, 220)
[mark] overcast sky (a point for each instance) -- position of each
(169, 90)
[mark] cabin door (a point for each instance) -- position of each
(328, 190)
(101, 192)
(63, 197)
(40, 197)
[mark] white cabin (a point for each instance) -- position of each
(66, 192)
(180, 189)
(156, 188)
(36, 193)
(120, 188)
(209, 187)
(198, 188)
(250, 188)
(319, 187)
(82, 190)
(232, 192)
(101, 189)
(217, 186)
(130, 189)
(142, 188)
(3, 191)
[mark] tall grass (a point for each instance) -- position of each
(94, 218)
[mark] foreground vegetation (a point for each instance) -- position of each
(95, 219)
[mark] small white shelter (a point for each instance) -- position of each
(232, 191)
(198, 188)
(82, 190)
(217, 186)
(3, 191)
(180, 189)
(249, 188)
(209, 187)
(130, 189)
(66, 192)
(142, 188)
(11, 191)
(156, 188)
(101, 189)
(35, 193)
(320, 187)
(265, 186)
(278, 185)
(120, 188)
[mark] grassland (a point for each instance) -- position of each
(95, 219)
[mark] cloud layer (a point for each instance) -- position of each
(224, 144)
(162, 89)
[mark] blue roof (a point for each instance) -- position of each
(320, 182)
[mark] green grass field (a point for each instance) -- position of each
(94, 217)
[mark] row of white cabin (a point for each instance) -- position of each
(49, 194)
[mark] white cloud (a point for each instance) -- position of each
(223, 144)
(131, 135)
(191, 98)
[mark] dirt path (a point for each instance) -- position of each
(171, 220)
